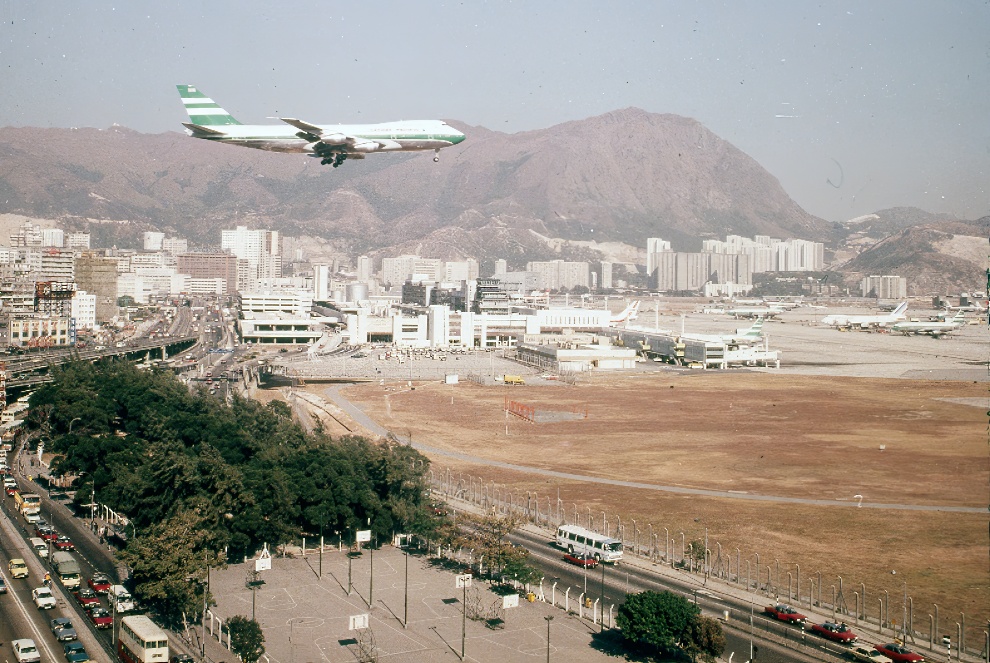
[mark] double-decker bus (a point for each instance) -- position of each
(141, 641)
(576, 539)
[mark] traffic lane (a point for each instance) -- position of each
(91, 555)
(621, 579)
(19, 605)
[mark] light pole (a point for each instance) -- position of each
(549, 619)
(74, 420)
(405, 601)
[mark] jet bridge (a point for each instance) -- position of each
(672, 348)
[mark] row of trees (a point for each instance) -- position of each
(202, 480)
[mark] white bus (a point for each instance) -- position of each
(141, 641)
(579, 540)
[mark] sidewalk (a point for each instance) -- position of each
(306, 618)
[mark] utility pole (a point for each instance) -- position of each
(405, 601)
(602, 624)
(463, 618)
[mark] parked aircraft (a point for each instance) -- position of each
(331, 143)
(849, 321)
(744, 336)
(629, 313)
(934, 328)
(755, 312)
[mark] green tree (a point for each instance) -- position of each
(705, 639)
(246, 638)
(656, 621)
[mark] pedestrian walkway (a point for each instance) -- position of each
(307, 618)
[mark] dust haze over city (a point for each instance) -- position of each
(678, 298)
(853, 107)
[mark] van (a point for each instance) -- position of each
(40, 546)
(120, 598)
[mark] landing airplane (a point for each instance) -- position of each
(332, 144)
(847, 321)
(934, 329)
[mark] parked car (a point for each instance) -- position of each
(866, 655)
(25, 651)
(63, 630)
(75, 652)
(87, 598)
(899, 653)
(3, 586)
(835, 632)
(43, 598)
(64, 543)
(100, 583)
(181, 658)
(101, 617)
(581, 559)
(785, 613)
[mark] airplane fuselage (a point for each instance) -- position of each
(389, 136)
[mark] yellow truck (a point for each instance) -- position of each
(512, 379)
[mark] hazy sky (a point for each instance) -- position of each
(853, 106)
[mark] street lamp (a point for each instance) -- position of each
(549, 619)
(74, 420)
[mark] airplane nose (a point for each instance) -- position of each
(457, 137)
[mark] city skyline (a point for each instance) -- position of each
(853, 108)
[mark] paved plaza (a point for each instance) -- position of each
(315, 613)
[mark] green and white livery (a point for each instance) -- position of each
(332, 144)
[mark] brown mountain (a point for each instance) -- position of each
(619, 177)
(940, 257)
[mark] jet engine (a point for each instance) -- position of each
(333, 139)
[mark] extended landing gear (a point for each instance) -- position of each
(436, 158)
(335, 159)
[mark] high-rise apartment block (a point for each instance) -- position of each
(214, 265)
(261, 249)
(557, 274)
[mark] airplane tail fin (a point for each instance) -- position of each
(900, 308)
(203, 111)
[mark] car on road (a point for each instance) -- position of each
(181, 658)
(867, 655)
(43, 598)
(101, 617)
(75, 652)
(10, 489)
(899, 653)
(835, 632)
(581, 559)
(3, 586)
(17, 568)
(64, 543)
(25, 651)
(45, 532)
(87, 598)
(785, 613)
(100, 583)
(63, 630)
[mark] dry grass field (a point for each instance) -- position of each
(760, 434)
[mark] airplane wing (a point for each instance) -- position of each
(306, 127)
(200, 130)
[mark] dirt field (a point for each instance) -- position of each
(761, 434)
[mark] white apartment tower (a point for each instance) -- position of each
(261, 249)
